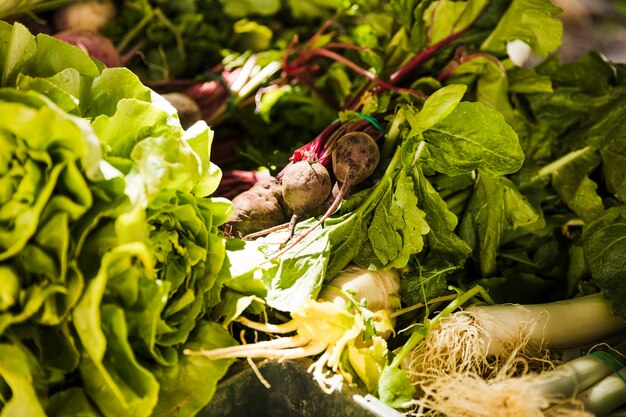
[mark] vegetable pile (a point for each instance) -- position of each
(398, 178)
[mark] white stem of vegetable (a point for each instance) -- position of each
(242, 351)
(566, 159)
(262, 76)
(572, 377)
(606, 395)
(283, 328)
(280, 354)
(242, 78)
(556, 325)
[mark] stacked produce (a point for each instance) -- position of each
(395, 172)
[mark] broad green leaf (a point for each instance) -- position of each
(532, 21)
(605, 245)
(472, 137)
(528, 81)
(414, 223)
(445, 17)
(571, 181)
(495, 207)
(86, 315)
(133, 121)
(423, 284)
(436, 108)
(313, 8)
(444, 246)
(9, 286)
(300, 272)
(68, 89)
(384, 233)
(200, 138)
(492, 84)
(232, 305)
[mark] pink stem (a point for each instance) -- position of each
(418, 60)
(342, 60)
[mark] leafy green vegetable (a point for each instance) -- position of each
(109, 242)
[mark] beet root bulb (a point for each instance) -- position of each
(258, 208)
(305, 185)
(95, 45)
(355, 157)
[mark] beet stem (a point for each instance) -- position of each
(266, 231)
(418, 59)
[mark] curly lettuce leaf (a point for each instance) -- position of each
(16, 370)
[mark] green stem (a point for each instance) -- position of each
(561, 162)
(420, 332)
(132, 34)
(381, 187)
(391, 137)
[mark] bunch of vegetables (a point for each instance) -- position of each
(438, 169)
(110, 243)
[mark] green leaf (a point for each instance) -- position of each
(200, 138)
(444, 17)
(313, 8)
(528, 81)
(496, 206)
(492, 84)
(15, 370)
(437, 107)
(300, 272)
(457, 145)
(395, 388)
(413, 225)
(116, 382)
(384, 233)
(17, 47)
(445, 247)
(86, 315)
(133, 121)
(423, 284)
(190, 385)
(65, 89)
(70, 403)
(31, 139)
(571, 181)
(605, 245)
(242, 8)
(532, 21)
(54, 55)
(110, 87)
(232, 305)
